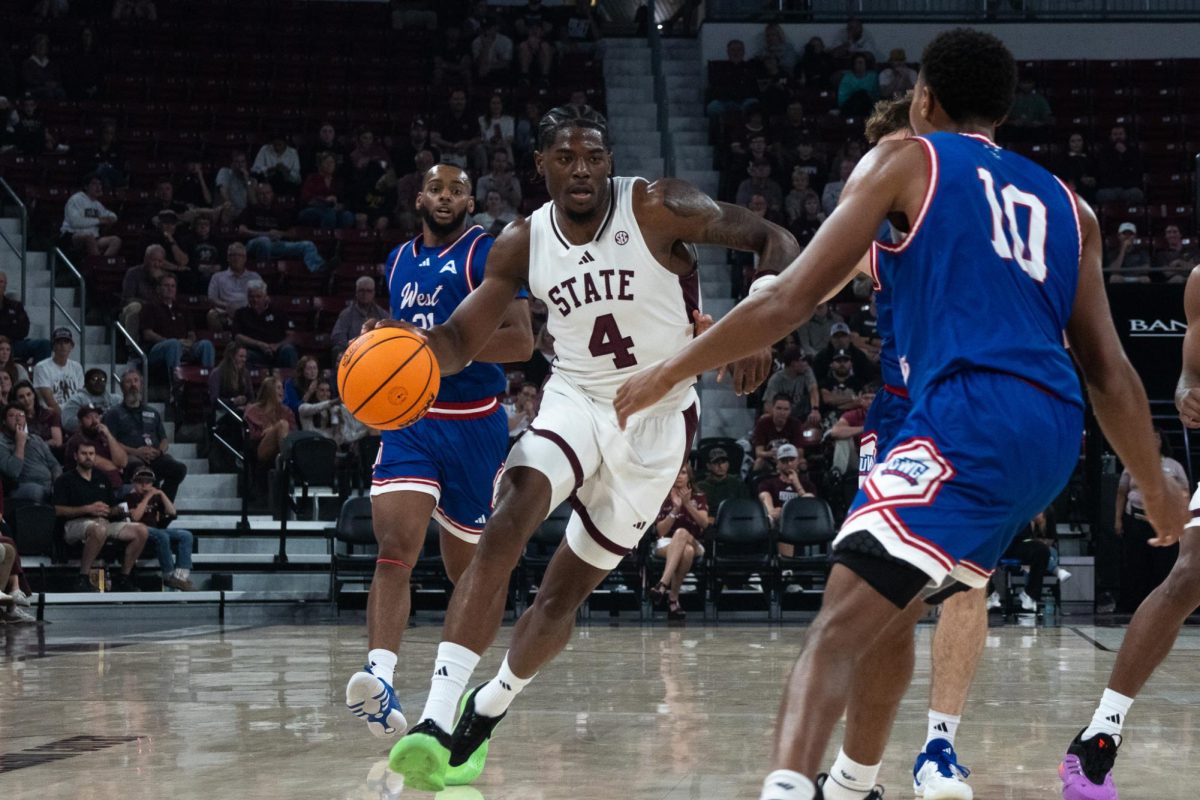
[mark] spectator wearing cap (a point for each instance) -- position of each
(839, 340)
(83, 218)
(272, 232)
(168, 332)
(840, 387)
(45, 422)
(111, 459)
(404, 151)
(321, 197)
(264, 332)
(897, 78)
(85, 500)
(139, 429)
(227, 289)
(1128, 256)
(140, 286)
(93, 393)
(14, 324)
(777, 426)
(175, 257)
(151, 507)
(1119, 165)
(797, 382)
(350, 321)
(790, 480)
(720, 484)
(25, 458)
(278, 164)
(58, 377)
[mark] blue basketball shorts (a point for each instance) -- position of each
(455, 454)
(884, 418)
(978, 457)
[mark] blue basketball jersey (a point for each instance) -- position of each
(889, 360)
(426, 284)
(986, 279)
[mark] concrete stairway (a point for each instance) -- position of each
(632, 112)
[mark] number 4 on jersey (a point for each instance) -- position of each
(607, 341)
(1030, 254)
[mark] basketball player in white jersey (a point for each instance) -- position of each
(608, 256)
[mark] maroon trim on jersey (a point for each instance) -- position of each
(691, 421)
(612, 209)
(1075, 212)
(899, 391)
(554, 227)
(477, 409)
(690, 286)
(589, 526)
(576, 466)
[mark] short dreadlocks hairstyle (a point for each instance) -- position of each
(563, 117)
(972, 74)
(887, 117)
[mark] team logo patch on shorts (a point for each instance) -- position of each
(913, 474)
(866, 452)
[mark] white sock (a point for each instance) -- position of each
(182, 573)
(941, 726)
(783, 784)
(1110, 714)
(451, 672)
(849, 780)
(497, 694)
(383, 665)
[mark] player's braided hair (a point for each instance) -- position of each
(972, 74)
(887, 117)
(570, 116)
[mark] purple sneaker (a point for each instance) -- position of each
(1086, 771)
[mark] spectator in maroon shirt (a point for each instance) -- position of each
(777, 426)
(679, 529)
(169, 334)
(456, 133)
(320, 196)
(790, 480)
(264, 332)
(734, 84)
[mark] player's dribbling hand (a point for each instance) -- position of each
(372, 324)
(1168, 513)
(641, 391)
(1188, 403)
(748, 373)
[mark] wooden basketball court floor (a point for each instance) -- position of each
(97, 708)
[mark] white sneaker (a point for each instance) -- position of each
(370, 698)
(21, 599)
(17, 616)
(1062, 575)
(5, 598)
(1027, 602)
(993, 601)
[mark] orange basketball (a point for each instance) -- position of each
(388, 378)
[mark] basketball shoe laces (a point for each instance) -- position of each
(876, 793)
(472, 730)
(947, 763)
(1096, 757)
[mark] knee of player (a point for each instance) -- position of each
(1184, 581)
(556, 605)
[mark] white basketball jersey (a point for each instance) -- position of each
(613, 309)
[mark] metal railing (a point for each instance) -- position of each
(119, 330)
(239, 456)
(666, 141)
(23, 250)
(58, 256)
(927, 10)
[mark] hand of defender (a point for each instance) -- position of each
(1168, 512)
(1189, 408)
(640, 391)
(372, 324)
(748, 374)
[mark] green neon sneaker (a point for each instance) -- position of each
(422, 757)
(469, 744)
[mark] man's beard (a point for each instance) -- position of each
(438, 228)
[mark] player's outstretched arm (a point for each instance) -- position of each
(462, 338)
(882, 182)
(513, 340)
(1187, 393)
(1116, 391)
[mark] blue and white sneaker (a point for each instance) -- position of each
(369, 697)
(937, 775)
